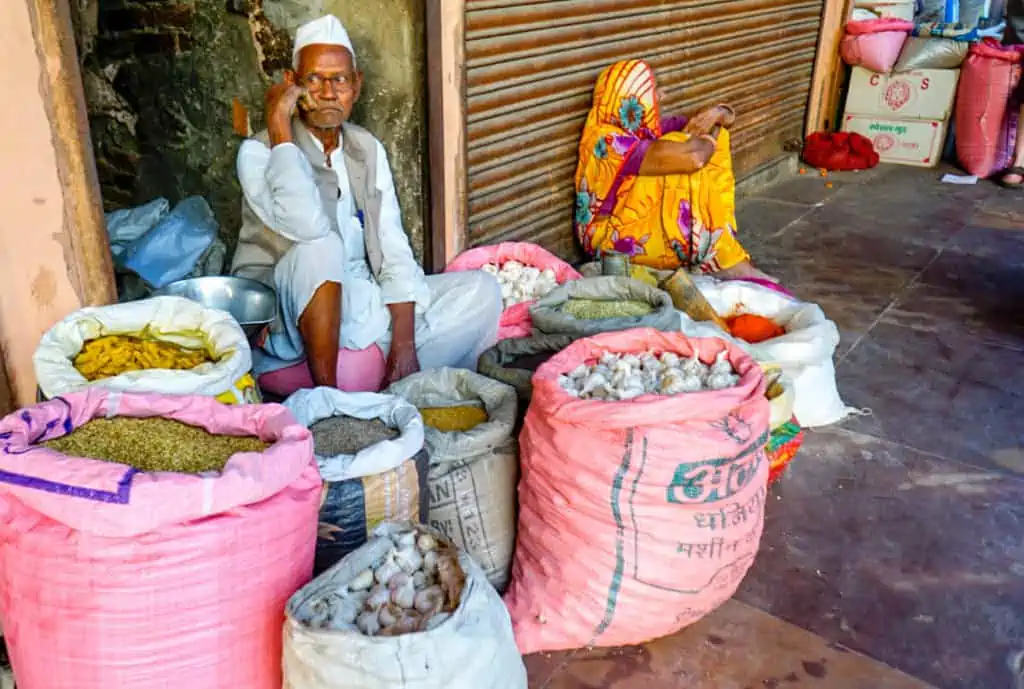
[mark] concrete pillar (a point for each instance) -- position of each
(55, 257)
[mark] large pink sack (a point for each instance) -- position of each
(985, 123)
(116, 579)
(515, 320)
(875, 44)
(635, 518)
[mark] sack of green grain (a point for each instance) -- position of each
(603, 304)
(369, 448)
(136, 571)
(514, 361)
(474, 472)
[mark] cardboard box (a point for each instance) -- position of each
(889, 8)
(925, 94)
(903, 142)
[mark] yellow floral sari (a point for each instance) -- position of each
(662, 222)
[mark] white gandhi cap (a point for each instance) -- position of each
(327, 30)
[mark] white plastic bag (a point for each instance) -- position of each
(171, 249)
(474, 649)
(310, 406)
(171, 319)
(804, 353)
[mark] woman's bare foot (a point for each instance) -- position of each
(1012, 177)
(745, 270)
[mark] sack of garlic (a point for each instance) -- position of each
(513, 361)
(614, 376)
(555, 313)
(525, 272)
(407, 581)
(370, 451)
(473, 473)
(650, 508)
(804, 352)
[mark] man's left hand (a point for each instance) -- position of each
(402, 362)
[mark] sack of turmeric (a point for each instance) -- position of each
(474, 461)
(165, 345)
(803, 352)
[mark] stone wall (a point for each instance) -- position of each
(171, 84)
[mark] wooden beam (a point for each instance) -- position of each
(56, 256)
(446, 104)
(827, 67)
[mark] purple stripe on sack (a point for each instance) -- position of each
(119, 497)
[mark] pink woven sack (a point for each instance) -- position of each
(515, 320)
(358, 370)
(875, 44)
(112, 578)
(986, 125)
(636, 518)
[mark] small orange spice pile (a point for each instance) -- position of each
(752, 328)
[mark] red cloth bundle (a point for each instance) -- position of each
(840, 151)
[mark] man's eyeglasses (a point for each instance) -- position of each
(316, 82)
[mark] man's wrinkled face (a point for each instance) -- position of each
(333, 83)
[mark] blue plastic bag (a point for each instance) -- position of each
(171, 249)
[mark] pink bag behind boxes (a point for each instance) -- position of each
(875, 44)
(515, 320)
(635, 518)
(985, 123)
(113, 578)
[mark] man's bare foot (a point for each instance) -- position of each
(743, 271)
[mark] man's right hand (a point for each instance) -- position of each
(281, 102)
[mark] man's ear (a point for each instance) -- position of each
(289, 77)
(358, 86)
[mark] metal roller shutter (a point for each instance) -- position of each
(530, 70)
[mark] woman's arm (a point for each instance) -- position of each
(678, 158)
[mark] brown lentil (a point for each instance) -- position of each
(154, 444)
(347, 435)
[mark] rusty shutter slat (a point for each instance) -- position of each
(531, 66)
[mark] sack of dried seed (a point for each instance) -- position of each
(404, 611)
(474, 461)
(603, 304)
(369, 447)
(106, 560)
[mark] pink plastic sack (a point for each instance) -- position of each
(875, 44)
(635, 518)
(985, 123)
(112, 578)
(359, 370)
(515, 320)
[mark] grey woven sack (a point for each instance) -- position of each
(548, 317)
(499, 362)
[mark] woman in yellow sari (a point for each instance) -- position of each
(660, 191)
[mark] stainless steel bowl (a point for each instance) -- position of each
(251, 303)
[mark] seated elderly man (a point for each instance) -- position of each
(321, 224)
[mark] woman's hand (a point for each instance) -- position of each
(709, 118)
(744, 270)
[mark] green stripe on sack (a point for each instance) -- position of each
(620, 534)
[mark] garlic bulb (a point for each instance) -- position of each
(413, 587)
(520, 283)
(362, 582)
(628, 376)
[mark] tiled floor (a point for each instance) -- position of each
(893, 555)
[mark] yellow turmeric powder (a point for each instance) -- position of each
(454, 419)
